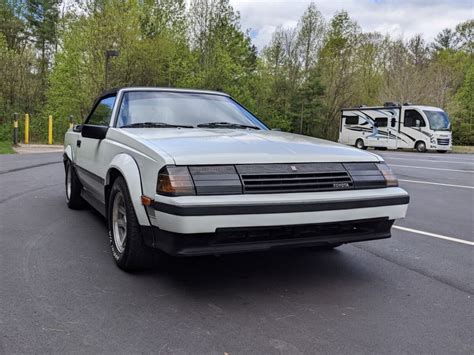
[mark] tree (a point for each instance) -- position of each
(311, 29)
(446, 39)
(465, 36)
(337, 71)
(42, 17)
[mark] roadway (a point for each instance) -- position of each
(61, 292)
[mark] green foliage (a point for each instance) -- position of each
(6, 148)
(52, 62)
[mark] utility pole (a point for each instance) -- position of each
(109, 54)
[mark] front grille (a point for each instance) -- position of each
(323, 231)
(270, 178)
(285, 178)
(443, 141)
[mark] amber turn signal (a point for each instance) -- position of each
(146, 201)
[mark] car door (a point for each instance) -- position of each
(89, 151)
(414, 127)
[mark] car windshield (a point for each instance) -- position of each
(161, 109)
(439, 120)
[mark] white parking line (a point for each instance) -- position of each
(436, 183)
(425, 167)
(457, 158)
(439, 236)
(431, 160)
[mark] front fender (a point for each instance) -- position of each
(128, 167)
(68, 152)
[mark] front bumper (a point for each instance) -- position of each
(440, 147)
(198, 225)
(207, 214)
(233, 240)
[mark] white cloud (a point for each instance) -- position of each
(403, 18)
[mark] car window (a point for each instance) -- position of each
(381, 121)
(438, 120)
(181, 108)
(352, 120)
(410, 118)
(102, 112)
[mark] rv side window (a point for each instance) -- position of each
(410, 119)
(352, 120)
(381, 121)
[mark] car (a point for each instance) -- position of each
(193, 172)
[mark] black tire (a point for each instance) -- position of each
(441, 151)
(420, 147)
(133, 254)
(359, 144)
(73, 192)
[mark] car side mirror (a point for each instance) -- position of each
(94, 132)
(417, 123)
(77, 128)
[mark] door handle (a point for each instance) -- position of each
(78, 143)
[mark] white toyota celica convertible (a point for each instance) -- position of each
(192, 172)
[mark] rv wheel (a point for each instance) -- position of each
(360, 144)
(420, 147)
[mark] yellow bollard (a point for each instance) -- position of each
(27, 128)
(50, 129)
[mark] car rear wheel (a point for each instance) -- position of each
(73, 188)
(128, 249)
(420, 147)
(360, 144)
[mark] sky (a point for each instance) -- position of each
(402, 18)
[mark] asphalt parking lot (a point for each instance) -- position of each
(61, 292)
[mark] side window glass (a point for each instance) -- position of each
(381, 121)
(410, 118)
(102, 112)
(352, 120)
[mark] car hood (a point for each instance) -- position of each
(239, 146)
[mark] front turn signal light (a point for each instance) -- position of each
(175, 181)
(390, 178)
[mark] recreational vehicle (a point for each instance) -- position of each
(394, 126)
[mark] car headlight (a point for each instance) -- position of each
(390, 178)
(175, 181)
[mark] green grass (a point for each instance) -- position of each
(6, 148)
(463, 149)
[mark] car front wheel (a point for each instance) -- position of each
(128, 249)
(420, 147)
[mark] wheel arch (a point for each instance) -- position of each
(67, 154)
(419, 141)
(125, 166)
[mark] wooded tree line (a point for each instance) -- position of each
(52, 56)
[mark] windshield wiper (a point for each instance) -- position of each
(225, 125)
(154, 125)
